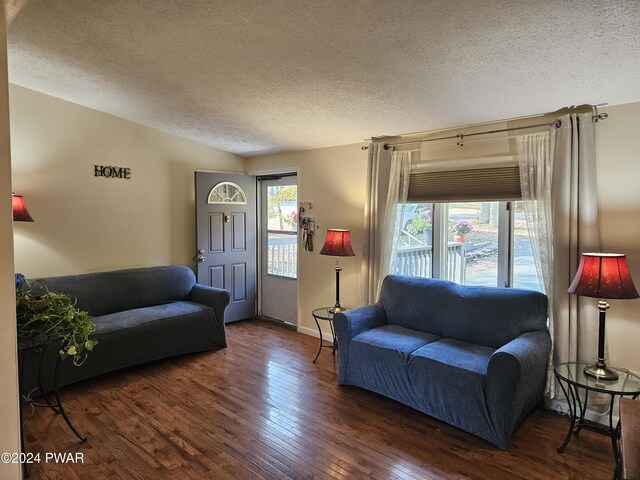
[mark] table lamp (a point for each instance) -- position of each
(337, 244)
(603, 276)
(20, 212)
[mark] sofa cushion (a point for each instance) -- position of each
(378, 358)
(108, 292)
(145, 334)
(395, 338)
(147, 317)
(464, 357)
(485, 315)
(452, 372)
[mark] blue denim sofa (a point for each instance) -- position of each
(140, 314)
(474, 357)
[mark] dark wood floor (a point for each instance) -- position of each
(261, 409)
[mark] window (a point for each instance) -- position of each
(227, 192)
(282, 230)
(471, 243)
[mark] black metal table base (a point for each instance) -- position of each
(56, 406)
(333, 346)
(577, 421)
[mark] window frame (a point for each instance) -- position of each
(506, 234)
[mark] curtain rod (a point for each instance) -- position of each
(461, 136)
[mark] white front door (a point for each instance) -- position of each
(279, 248)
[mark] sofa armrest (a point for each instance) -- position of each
(350, 323)
(216, 298)
(516, 376)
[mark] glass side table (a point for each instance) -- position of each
(571, 379)
(323, 314)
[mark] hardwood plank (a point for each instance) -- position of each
(260, 409)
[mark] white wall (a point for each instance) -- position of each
(84, 223)
(618, 157)
(334, 179)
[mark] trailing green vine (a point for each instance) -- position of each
(44, 316)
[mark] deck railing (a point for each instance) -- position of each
(282, 256)
(417, 261)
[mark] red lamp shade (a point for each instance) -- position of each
(20, 212)
(337, 243)
(604, 275)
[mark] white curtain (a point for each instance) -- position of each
(394, 209)
(558, 180)
(378, 171)
(387, 188)
(534, 157)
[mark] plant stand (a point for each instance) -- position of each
(38, 350)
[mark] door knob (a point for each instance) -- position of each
(201, 259)
(200, 251)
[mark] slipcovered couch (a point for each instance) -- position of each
(140, 314)
(474, 357)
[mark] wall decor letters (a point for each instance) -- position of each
(111, 172)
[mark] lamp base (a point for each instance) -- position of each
(338, 309)
(600, 371)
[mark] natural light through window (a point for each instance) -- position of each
(471, 243)
(282, 230)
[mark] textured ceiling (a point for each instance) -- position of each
(256, 76)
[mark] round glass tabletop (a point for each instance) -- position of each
(573, 372)
(323, 313)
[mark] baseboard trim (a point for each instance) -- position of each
(313, 332)
(562, 407)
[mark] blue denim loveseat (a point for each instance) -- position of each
(474, 357)
(140, 314)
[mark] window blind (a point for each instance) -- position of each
(474, 184)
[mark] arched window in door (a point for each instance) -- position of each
(227, 192)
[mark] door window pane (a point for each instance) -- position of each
(282, 212)
(472, 243)
(525, 274)
(282, 230)
(227, 192)
(414, 256)
(282, 254)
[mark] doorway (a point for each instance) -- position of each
(278, 253)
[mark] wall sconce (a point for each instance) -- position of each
(20, 212)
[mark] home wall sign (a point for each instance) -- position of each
(108, 171)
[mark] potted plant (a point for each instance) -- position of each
(50, 317)
(421, 224)
(460, 229)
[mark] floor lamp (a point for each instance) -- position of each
(603, 276)
(337, 244)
